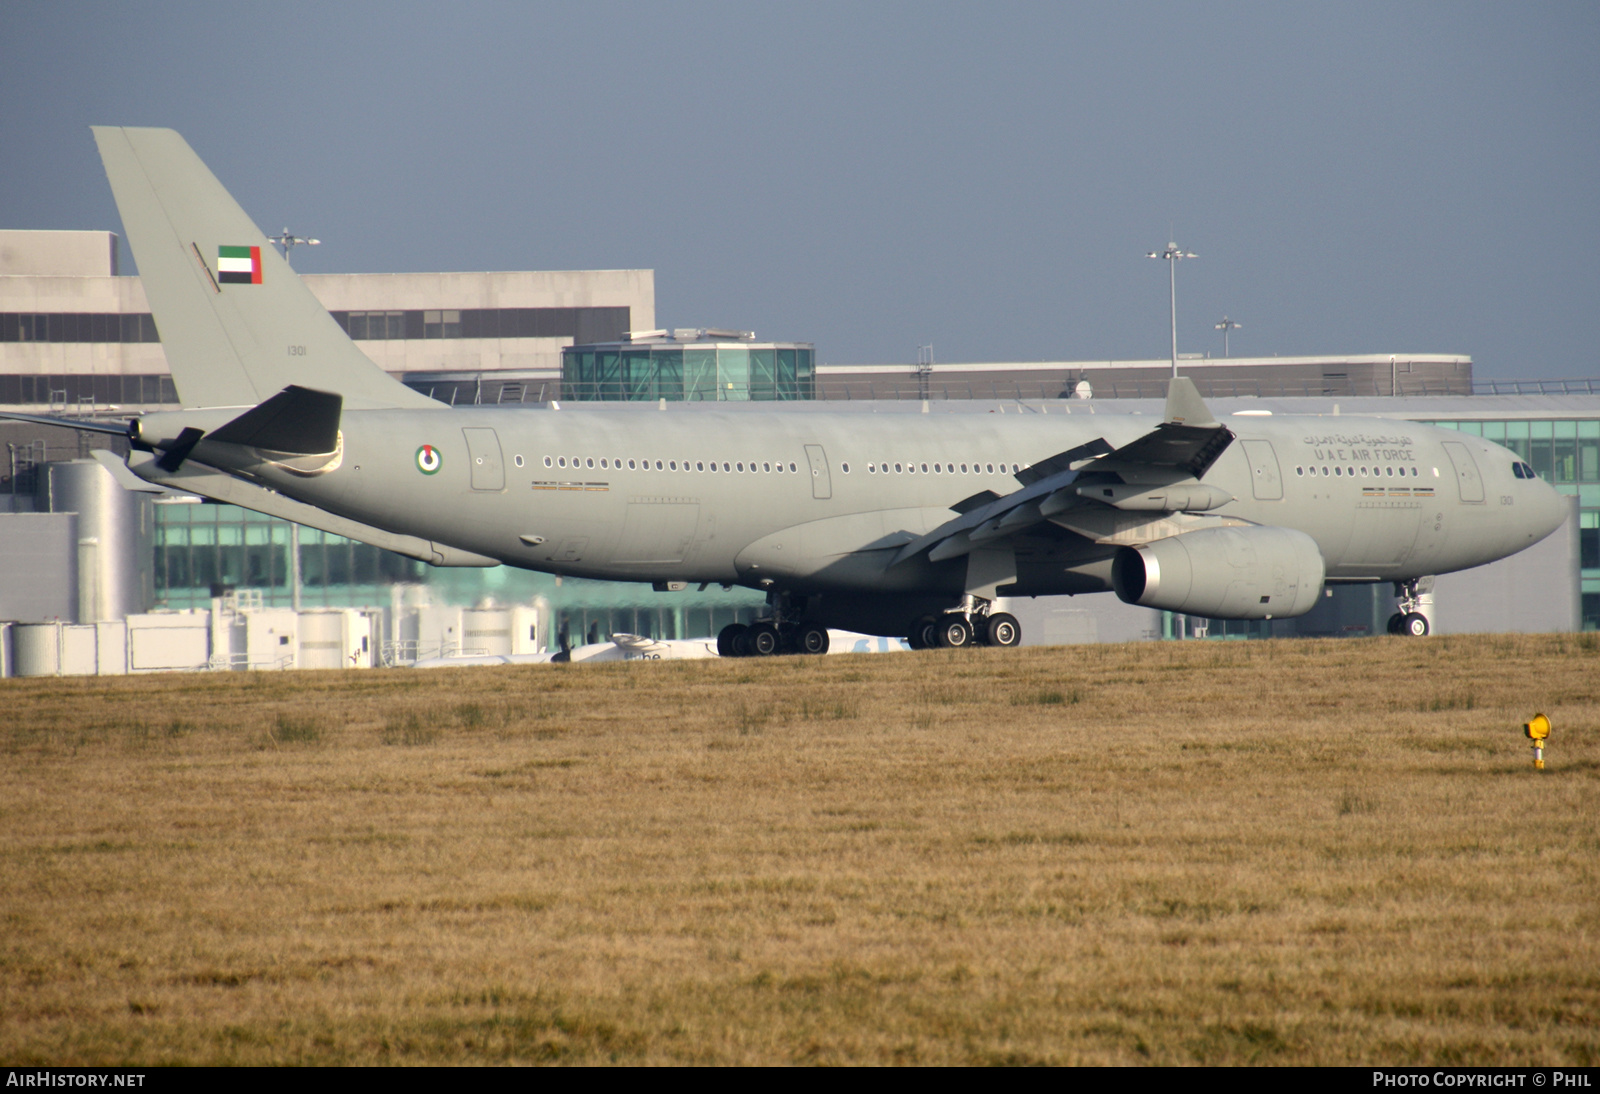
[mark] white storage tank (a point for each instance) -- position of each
(115, 545)
(37, 647)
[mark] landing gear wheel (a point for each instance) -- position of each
(1397, 623)
(1415, 625)
(764, 640)
(728, 639)
(1003, 630)
(926, 635)
(811, 638)
(954, 632)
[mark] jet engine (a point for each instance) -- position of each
(1254, 572)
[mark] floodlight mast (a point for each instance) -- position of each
(1225, 326)
(1172, 254)
(289, 239)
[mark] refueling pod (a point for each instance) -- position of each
(1256, 572)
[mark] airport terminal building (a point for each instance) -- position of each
(75, 337)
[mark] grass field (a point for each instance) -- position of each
(1201, 852)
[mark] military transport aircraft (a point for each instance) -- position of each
(890, 524)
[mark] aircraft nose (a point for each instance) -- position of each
(1552, 511)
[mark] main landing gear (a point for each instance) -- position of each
(1415, 594)
(972, 625)
(770, 637)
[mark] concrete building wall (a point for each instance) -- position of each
(75, 272)
(82, 254)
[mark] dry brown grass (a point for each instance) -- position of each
(1266, 852)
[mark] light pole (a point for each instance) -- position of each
(1172, 254)
(1225, 326)
(288, 240)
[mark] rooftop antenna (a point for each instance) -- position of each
(1225, 326)
(288, 240)
(1172, 254)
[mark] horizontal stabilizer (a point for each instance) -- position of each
(87, 425)
(297, 420)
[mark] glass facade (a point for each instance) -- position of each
(1566, 454)
(688, 372)
(204, 550)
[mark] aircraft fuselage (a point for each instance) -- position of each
(820, 501)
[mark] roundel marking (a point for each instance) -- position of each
(428, 460)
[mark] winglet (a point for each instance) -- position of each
(1184, 405)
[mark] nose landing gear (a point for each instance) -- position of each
(1416, 597)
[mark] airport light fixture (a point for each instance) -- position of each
(288, 240)
(1225, 326)
(1172, 254)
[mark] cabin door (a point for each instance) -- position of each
(488, 467)
(821, 485)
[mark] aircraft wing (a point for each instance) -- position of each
(1158, 472)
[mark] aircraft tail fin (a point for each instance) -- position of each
(235, 322)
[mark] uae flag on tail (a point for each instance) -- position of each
(239, 265)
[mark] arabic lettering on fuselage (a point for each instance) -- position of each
(1361, 446)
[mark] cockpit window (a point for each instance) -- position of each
(1523, 471)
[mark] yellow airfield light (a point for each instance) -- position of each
(1536, 731)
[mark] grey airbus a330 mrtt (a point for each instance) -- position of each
(890, 524)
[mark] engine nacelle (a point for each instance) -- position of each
(1223, 573)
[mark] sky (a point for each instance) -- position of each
(874, 177)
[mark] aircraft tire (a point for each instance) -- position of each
(811, 639)
(764, 640)
(1002, 629)
(926, 635)
(1397, 623)
(1415, 625)
(954, 632)
(728, 639)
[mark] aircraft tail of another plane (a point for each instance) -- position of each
(236, 323)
